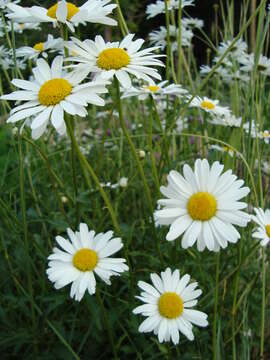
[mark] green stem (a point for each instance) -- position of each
(167, 16)
(86, 167)
(263, 305)
(216, 307)
(139, 165)
(179, 41)
(26, 242)
(107, 323)
(123, 24)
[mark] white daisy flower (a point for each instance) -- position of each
(94, 11)
(262, 219)
(4, 3)
(51, 94)
(229, 120)
(223, 149)
(20, 28)
(153, 10)
(159, 37)
(203, 205)
(167, 306)
(41, 48)
(83, 256)
(248, 63)
(116, 58)
(210, 106)
(156, 90)
(239, 48)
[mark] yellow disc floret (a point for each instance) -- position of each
(85, 259)
(113, 59)
(153, 88)
(267, 229)
(71, 10)
(202, 206)
(170, 305)
(207, 105)
(39, 47)
(54, 91)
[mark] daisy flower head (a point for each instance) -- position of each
(83, 256)
(94, 11)
(210, 106)
(159, 37)
(52, 93)
(41, 48)
(262, 231)
(153, 10)
(248, 64)
(203, 205)
(120, 59)
(156, 90)
(167, 306)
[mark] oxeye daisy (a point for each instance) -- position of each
(82, 257)
(51, 94)
(116, 58)
(94, 11)
(210, 106)
(153, 10)
(156, 90)
(203, 205)
(167, 306)
(262, 219)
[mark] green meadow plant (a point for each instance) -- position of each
(134, 207)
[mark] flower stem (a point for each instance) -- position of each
(107, 323)
(86, 167)
(215, 308)
(139, 165)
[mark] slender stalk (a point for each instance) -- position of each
(168, 48)
(139, 165)
(86, 167)
(179, 41)
(263, 305)
(107, 323)
(123, 24)
(26, 242)
(216, 307)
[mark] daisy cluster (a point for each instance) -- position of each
(202, 204)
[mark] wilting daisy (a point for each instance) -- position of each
(116, 58)
(153, 10)
(81, 257)
(51, 94)
(203, 205)
(156, 90)
(262, 219)
(210, 106)
(41, 48)
(94, 11)
(167, 306)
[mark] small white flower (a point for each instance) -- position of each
(41, 48)
(222, 149)
(210, 106)
(229, 120)
(153, 10)
(120, 59)
(203, 205)
(248, 63)
(83, 256)
(262, 219)
(123, 182)
(51, 94)
(159, 37)
(167, 306)
(159, 90)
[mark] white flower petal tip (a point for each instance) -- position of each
(81, 257)
(203, 206)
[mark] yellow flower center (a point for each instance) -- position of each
(85, 259)
(39, 47)
(113, 59)
(202, 206)
(207, 105)
(170, 305)
(267, 229)
(153, 88)
(52, 92)
(71, 10)
(21, 26)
